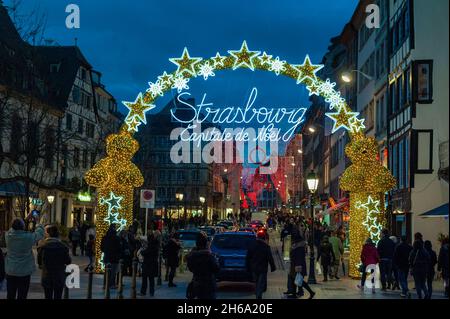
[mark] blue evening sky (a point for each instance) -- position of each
(130, 42)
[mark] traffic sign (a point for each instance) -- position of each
(147, 198)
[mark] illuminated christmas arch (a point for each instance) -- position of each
(115, 181)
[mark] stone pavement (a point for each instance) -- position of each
(333, 289)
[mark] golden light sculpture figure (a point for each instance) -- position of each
(115, 178)
(367, 181)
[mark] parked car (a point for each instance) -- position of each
(227, 224)
(187, 237)
(209, 230)
(256, 224)
(248, 229)
(230, 248)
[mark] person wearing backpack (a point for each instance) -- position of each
(419, 263)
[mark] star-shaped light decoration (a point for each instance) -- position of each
(357, 125)
(307, 70)
(341, 118)
(264, 58)
(185, 63)
(313, 88)
(133, 124)
(218, 60)
(166, 79)
(113, 201)
(372, 205)
(244, 57)
(138, 108)
(122, 223)
(112, 218)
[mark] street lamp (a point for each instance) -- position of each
(313, 181)
(179, 197)
(203, 200)
(51, 199)
(347, 76)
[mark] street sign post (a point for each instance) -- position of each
(147, 201)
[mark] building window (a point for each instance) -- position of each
(85, 158)
(69, 121)
(423, 152)
(423, 81)
(80, 126)
(76, 157)
(76, 95)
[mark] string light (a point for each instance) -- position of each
(117, 174)
(367, 181)
(115, 178)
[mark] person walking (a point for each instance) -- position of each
(173, 257)
(443, 264)
(401, 262)
(298, 265)
(394, 269)
(74, 237)
(111, 248)
(150, 264)
(126, 253)
(19, 261)
(259, 257)
(419, 262)
(326, 256)
(53, 257)
(369, 256)
(431, 269)
(90, 251)
(83, 231)
(204, 267)
(386, 249)
(338, 250)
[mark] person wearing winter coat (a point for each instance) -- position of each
(369, 256)
(401, 262)
(173, 258)
(204, 267)
(19, 261)
(74, 237)
(386, 249)
(338, 250)
(53, 257)
(150, 264)
(112, 250)
(443, 264)
(431, 269)
(259, 257)
(297, 257)
(90, 251)
(326, 256)
(419, 263)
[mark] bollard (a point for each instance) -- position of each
(107, 280)
(133, 278)
(91, 277)
(120, 294)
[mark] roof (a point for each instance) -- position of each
(441, 211)
(70, 59)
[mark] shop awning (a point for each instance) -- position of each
(15, 189)
(441, 211)
(336, 206)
